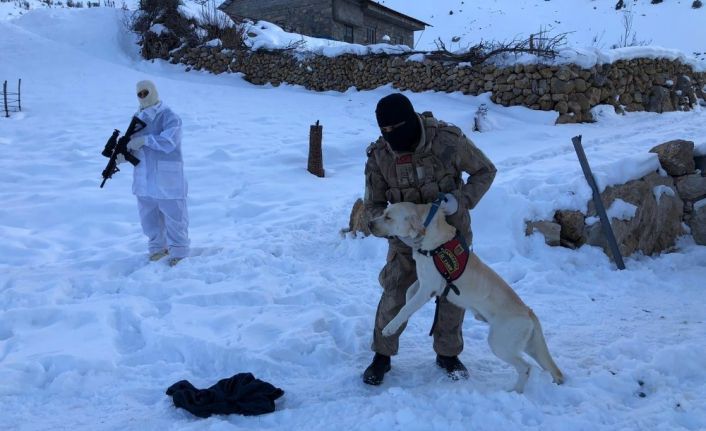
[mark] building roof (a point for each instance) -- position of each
(373, 7)
(384, 10)
(224, 5)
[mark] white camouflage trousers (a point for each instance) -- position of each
(166, 224)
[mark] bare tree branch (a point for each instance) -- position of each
(539, 44)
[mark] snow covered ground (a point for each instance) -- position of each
(91, 335)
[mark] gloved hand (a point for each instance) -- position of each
(136, 143)
(450, 205)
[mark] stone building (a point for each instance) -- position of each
(354, 21)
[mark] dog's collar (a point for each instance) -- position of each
(458, 237)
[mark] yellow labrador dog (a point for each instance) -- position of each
(514, 328)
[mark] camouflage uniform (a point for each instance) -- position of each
(436, 165)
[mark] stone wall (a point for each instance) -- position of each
(656, 85)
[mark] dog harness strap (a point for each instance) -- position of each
(434, 208)
(449, 286)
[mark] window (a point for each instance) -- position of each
(348, 35)
(371, 35)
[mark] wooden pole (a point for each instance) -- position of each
(600, 209)
(316, 163)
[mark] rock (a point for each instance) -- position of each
(550, 230)
(656, 224)
(700, 164)
(697, 223)
(659, 100)
(676, 157)
(562, 107)
(691, 187)
(357, 223)
(565, 74)
(572, 223)
(566, 119)
(686, 89)
(559, 86)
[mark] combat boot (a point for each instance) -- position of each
(375, 372)
(158, 255)
(453, 366)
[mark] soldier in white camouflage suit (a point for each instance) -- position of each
(416, 158)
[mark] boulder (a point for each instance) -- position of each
(676, 157)
(572, 223)
(656, 224)
(659, 100)
(691, 187)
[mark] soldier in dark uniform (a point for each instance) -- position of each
(416, 158)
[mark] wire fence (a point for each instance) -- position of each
(12, 101)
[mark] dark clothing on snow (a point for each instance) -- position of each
(242, 394)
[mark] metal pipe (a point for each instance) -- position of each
(600, 209)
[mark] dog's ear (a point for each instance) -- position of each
(416, 227)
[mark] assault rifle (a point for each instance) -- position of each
(115, 147)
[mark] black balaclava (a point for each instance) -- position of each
(395, 109)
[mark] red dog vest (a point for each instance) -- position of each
(450, 258)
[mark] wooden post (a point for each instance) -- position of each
(19, 99)
(600, 209)
(4, 97)
(316, 163)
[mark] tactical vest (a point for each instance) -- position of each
(418, 177)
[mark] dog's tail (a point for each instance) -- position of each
(538, 350)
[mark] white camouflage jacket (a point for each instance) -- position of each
(160, 173)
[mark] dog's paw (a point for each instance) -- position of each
(388, 330)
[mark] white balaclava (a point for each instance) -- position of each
(152, 97)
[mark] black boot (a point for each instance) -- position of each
(375, 372)
(453, 366)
